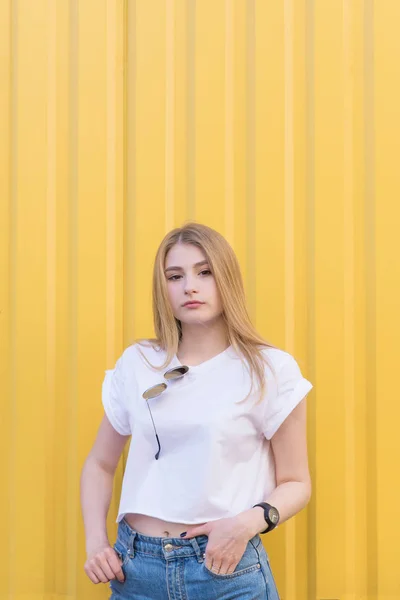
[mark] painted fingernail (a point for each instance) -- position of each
(183, 534)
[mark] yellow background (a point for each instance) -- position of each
(275, 122)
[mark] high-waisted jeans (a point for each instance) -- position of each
(158, 568)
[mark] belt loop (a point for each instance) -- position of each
(131, 544)
(196, 548)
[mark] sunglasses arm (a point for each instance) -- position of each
(158, 441)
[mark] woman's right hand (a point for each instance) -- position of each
(103, 564)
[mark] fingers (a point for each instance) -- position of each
(92, 575)
(201, 529)
(116, 565)
(220, 567)
(95, 572)
(104, 566)
(216, 567)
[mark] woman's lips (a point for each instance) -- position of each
(193, 304)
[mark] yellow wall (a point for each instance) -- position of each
(276, 123)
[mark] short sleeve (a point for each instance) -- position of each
(114, 399)
(291, 388)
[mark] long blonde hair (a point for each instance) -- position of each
(242, 335)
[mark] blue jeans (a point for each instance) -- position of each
(158, 568)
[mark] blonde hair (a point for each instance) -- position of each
(224, 265)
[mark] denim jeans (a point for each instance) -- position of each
(158, 568)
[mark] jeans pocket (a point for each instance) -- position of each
(271, 583)
(247, 564)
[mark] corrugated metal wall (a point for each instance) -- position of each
(278, 124)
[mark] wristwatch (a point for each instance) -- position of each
(271, 515)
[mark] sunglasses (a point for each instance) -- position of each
(156, 390)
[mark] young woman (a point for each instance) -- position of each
(217, 422)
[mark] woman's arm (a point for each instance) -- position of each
(293, 482)
(97, 484)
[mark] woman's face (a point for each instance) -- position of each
(189, 281)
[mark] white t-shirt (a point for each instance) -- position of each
(216, 458)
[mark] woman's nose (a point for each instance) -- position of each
(190, 290)
(190, 287)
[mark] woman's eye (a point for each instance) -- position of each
(173, 278)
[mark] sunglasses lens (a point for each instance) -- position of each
(154, 391)
(176, 372)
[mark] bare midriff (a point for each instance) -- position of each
(155, 527)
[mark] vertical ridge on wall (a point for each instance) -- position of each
(311, 323)
(191, 110)
(349, 275)
(370, 324)
(250, 203)
(71, 533)
(300, 255)
(12, 299)
(180, 116)
(289, 177)
(6, 280)
(329, 264)
(384, 215)
(238, 102)
(291, 580)
(229, 124)
(129, 249)
(111, 182)
(356, 71)
(51, 326)
(64, 294)
(170, 115)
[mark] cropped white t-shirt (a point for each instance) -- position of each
(216, 459)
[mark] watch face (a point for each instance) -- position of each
(273, 515)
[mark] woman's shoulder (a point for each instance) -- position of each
(279, 359)
(141, 351)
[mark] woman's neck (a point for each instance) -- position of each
(199, 343)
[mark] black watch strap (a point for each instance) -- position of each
(271, 515)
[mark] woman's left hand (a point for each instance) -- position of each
(227, 542)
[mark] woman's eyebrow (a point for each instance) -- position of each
(199, 264)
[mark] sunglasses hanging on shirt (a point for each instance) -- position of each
(156, 390)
